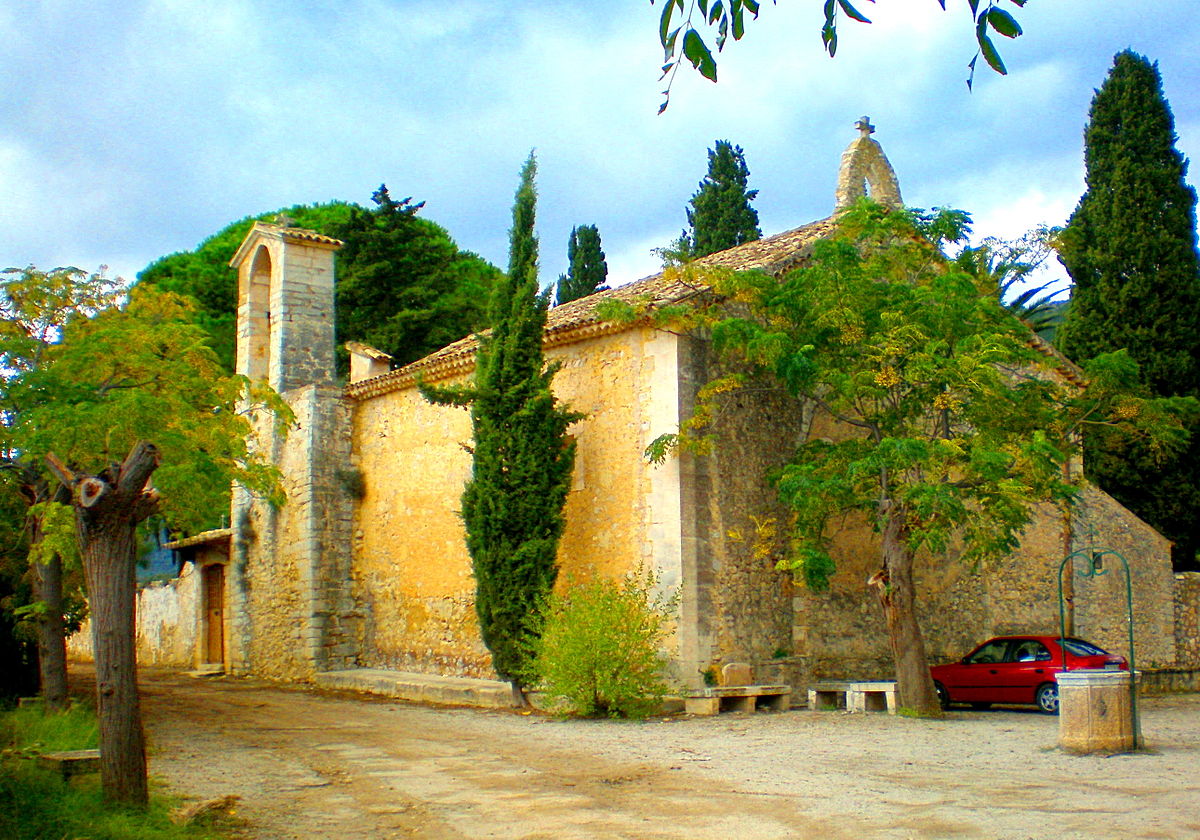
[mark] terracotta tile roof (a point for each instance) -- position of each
(577, 320)
(206, 537)
(304, 235)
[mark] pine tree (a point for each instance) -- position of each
(721, 216)
(588, 269)
(512, 505)
(403, 286)
(1130, 248)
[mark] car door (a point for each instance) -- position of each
(979, 675)
(1029, 665)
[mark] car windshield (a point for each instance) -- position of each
(1078, 647)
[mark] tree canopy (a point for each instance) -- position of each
(942, 423)
(1130, 248)
(679, 32)
(403, 286)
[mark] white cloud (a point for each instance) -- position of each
(138, 128)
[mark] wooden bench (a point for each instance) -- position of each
(73, 763)
(861, 696)
(737, 698)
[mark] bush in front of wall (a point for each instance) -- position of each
(600, 652)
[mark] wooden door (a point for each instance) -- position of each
(214, 614)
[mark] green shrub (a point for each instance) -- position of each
(600, 651)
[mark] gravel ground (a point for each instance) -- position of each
(311, 764)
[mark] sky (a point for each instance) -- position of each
(136, 128)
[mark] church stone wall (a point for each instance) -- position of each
(960, 605)
(292, 614)
(735, 528)
(1100, 601)
(411, 571)
(1187, 620)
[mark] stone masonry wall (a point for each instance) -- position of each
(740, 527)
(1100, 600)
(412, 574)
(288, 585)
(1187, 620)
(960, 606)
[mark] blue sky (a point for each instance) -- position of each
(135, 128)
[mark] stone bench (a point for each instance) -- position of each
(737, 698)
(863, 696)
(72, 763)
(872, 696)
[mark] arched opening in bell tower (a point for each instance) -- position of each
(258, 338)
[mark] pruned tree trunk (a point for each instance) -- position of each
(108, 508)
(914, 685)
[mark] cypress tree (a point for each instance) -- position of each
(588, 269)
(721, 216)
(1130, 247)
(512, 505)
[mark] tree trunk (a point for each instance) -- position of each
(48, 588)
(108, 508)
(108, 546)
(914, 685)
(52, 640)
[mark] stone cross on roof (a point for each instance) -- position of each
(865, 171)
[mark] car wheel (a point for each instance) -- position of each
(942, 695)
(1047, 698)
(981, 707)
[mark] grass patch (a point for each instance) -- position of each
(32, 731)
(36, 804)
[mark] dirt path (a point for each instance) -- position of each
(316, 765)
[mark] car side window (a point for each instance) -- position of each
(1029, 650)
(991, 652)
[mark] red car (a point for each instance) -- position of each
(1017, 669)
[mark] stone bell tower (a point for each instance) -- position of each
(285, 306)
(290, 610)
(865, 171)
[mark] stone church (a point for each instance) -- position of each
(366, 565)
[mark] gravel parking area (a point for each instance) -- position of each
(312, 764)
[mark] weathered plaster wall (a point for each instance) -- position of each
(166, 625)
(1187, 620)
(412, 574)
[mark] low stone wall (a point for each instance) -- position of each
(1169, 681)
(166, 624)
